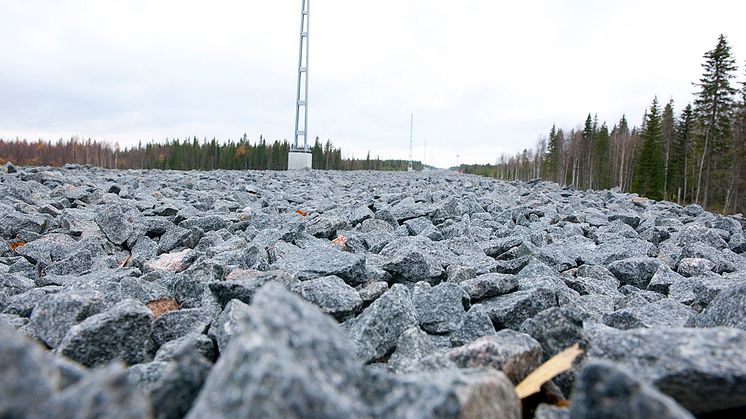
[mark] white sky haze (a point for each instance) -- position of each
(482, 77)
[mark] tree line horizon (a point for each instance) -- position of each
(693, 156)
(190, 154)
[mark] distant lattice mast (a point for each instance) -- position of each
(299, 157)
(301, 101)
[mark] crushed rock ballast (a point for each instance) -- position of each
(235, 294)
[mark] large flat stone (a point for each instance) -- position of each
(704, 370)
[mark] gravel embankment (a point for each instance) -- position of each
(138, 294)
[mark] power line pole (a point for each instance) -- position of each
(424, 153)
(410, 168)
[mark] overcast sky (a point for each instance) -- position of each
(482, 77)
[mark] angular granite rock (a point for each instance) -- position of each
(661, 313)
(727, 309)
(635, 271)
(510, 310)
(290, 360)
(114, 223)
(315, 262)
(413, 345)
(376, 330)
(179, 384)
(440, 309)
(414, 264)
(470, 393)
(556, 329)
(476, 324)
(28, 377)
(489, 285)
(120, 333)
(662, 280)
(228, 323)
(332, 295)
(177, 323)
(57, 313)
(694, 266)
(515, 354)
(605, 390)
(194, 342)
(106, 392)
(703, 369)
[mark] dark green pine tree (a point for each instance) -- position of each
(586, 166)
(174, 157)
(648, 176)
(712, 106)
(561, 147)
(667, 129)
(317, 155)
(601, 158)
(552, 158)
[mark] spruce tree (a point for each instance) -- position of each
(561, 156)
(317, 155)
(586, 167)
(551, 161)
(601, 158)
(667, 129)
(713, 105)
(648, 176)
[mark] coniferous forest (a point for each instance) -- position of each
(191, 154)
(693, 153)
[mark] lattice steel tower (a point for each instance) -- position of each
(301, 99)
